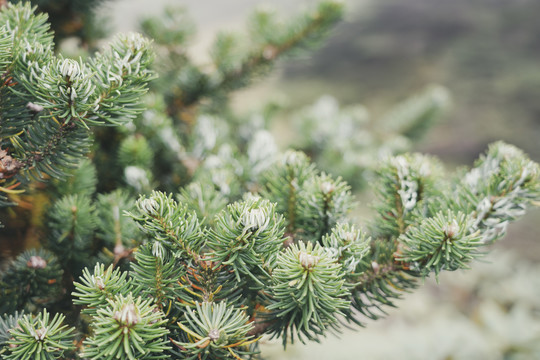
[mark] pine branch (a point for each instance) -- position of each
(308, 293)
(443, 242)
(127, 328)
(500, 187)
(404, 182)
(235, 67)
(156, 273)
(199, 277)
(117, 232)
(379, 285)
(170, 224)
(62, 97)
(39, 337)
(8, 322)
(275, 43)
(72, 223)
(34, 277)
(283, 182)
(247, 236)
(95, 290)
(204, 199)
(414, 116)
(324, 203)
(215, 331)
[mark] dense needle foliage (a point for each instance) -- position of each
(161, 226)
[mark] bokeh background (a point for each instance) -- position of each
(486, 53)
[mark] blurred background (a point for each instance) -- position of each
(485, 52)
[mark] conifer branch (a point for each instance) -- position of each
(311, 26)
(240, 243)
(62, 97)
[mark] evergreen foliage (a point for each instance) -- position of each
(39, 337)
(215, 331)
(57, 99)
(202, 236)
(127, 328)
(350, 141)
(308, 293)
(35, 278)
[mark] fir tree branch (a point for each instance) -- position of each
(169, 223)
(315, 24)
(270, 46)
(284, 262)
(379, 285)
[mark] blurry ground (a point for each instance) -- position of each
(486, 53)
